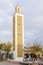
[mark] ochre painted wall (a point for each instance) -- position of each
(19, 36)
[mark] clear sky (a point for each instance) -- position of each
(33, 19)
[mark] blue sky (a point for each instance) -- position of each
(33, 19)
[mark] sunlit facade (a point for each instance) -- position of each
(18, 32)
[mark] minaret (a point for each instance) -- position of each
(18, 32)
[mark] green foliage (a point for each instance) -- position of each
(36, 48)
(9, 47)
(6, 47)
(1, 46)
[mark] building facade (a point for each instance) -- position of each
(18, 32)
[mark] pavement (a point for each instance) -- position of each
(7, 63)
(14, 63)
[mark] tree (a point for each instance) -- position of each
(36, 48)
(4, 47)
(7, 48)
(9, 45)
(1, 46)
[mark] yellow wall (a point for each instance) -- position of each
(19, 36)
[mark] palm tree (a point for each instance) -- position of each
(7, 48)
(1, 46)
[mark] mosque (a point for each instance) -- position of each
(18, 33)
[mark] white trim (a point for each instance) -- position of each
(19, 14)
(16, 35)
(23, 31)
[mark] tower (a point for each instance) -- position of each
(18, 32)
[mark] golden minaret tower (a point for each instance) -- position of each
(18, 32)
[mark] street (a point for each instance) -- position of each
(7, 63)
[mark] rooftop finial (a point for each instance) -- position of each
(18, 9)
